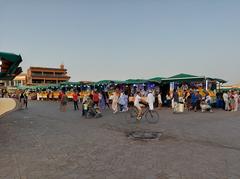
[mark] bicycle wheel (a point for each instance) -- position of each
(152, 116)
(133, 112)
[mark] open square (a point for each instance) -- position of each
(42, 142)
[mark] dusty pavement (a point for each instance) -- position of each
(43, 143)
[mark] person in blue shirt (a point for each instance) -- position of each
(121, 101)
(194, 101)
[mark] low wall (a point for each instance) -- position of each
(6, 105)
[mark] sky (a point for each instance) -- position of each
(122, 39)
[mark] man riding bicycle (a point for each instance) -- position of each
(149, 102)
(137, 105)
(149, 113)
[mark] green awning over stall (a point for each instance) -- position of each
(156, 79)
(79, 83)
(70, 83)
(182, 77)
(104, 82)
(136, 81)
(218, 80)
(107, 82)
(118, 82)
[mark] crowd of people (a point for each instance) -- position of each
(100, 100)
(120, 100)
(193, 100)
(231, 100)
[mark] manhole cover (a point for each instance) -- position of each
(144, 135)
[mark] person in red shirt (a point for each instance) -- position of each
(95, 98)
(60, 95)
(75, 100)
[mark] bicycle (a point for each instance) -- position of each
(152, 116)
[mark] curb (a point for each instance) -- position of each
(17, 107)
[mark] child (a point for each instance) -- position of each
(98, 113)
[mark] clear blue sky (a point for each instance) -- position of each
(121, 39)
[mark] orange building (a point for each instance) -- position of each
(44, 76)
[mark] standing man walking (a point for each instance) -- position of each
(236, 99)
(75, 101)
(21, 99)
(159, 97)
(25, 100)
(150, 100)
(63, 101)
(226, 101)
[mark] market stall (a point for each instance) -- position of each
(186, 82)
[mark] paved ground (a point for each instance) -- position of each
(43, 143)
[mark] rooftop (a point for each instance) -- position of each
(44, 68)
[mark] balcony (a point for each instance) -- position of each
(50, 76)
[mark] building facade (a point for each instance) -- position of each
(20, 80)
(44, 76)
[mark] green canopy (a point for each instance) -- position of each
(227, 89)
(13, 61)
(136, 81)
(107, 82)
(23, 87)
(218, 80)
(11, 57)
(118, 82)
(80, 83)
(53, 86)
(70, 83)
(103, 82)
(37, 87)
(182, 77)
(156, 79)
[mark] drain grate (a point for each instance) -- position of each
(144, 135)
